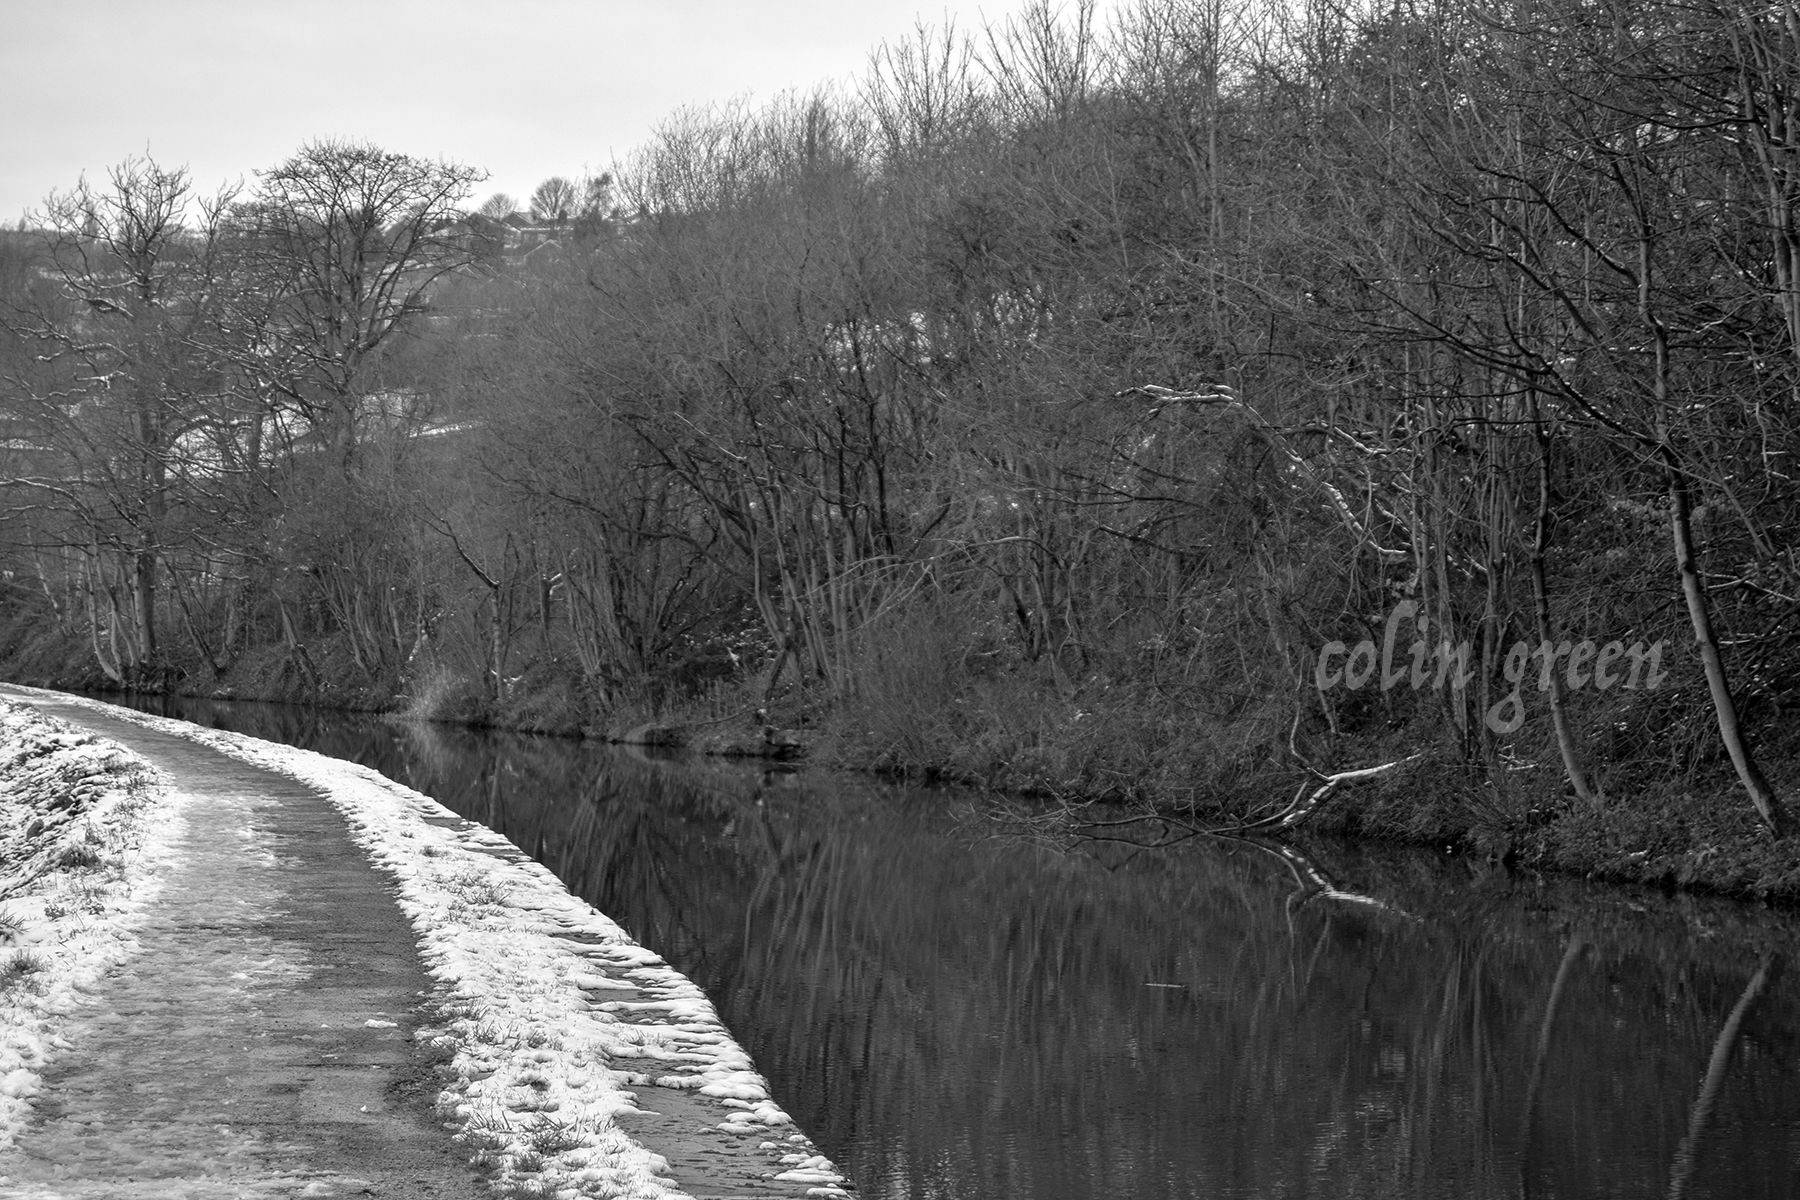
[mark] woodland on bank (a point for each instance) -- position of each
(1038, 409)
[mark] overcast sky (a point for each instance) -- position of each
(523, 88)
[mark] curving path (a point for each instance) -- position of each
(260, 1044)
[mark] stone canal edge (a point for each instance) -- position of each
(343, 988)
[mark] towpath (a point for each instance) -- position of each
(260, 1044)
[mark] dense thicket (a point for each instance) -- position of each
(1048, 408)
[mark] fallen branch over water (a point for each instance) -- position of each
(1297, 810)
(1303, 806)
(1311, 881)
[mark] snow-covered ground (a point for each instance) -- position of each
(552, 1012)
(85, 828)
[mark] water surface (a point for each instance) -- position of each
(958, 1003)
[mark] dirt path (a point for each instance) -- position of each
(260, 1043)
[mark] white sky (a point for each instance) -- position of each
(523, 88)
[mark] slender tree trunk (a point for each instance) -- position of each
(144, 603)
(1762, 795)
(1540, 590)
(193, 631)
(109, 662)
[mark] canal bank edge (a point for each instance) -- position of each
(579, 1063)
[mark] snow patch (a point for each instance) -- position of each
(542, 1065)
(86, 835)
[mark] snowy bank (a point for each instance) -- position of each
(551, 1013)
(85, 830)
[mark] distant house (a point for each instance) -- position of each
(513, 240)
(533, 241)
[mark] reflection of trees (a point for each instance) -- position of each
(1540, 1059)
(1688, 1153)
(961, 1014)
(1010, 991)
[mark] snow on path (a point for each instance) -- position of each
(86, 837)
(553, 1012)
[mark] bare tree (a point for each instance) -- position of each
(597, 195)
(345, 241)
(1043, 63)
(498, 207)
(922, 92)
(555, 200)
(127, 387)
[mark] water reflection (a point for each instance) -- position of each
(954, 1007)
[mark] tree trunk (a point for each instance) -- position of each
(1762, 795)
(1540, 590)
(109, 663)
(144, 598)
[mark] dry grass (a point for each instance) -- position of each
(18, 969)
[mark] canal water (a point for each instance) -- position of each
(958, 1002)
